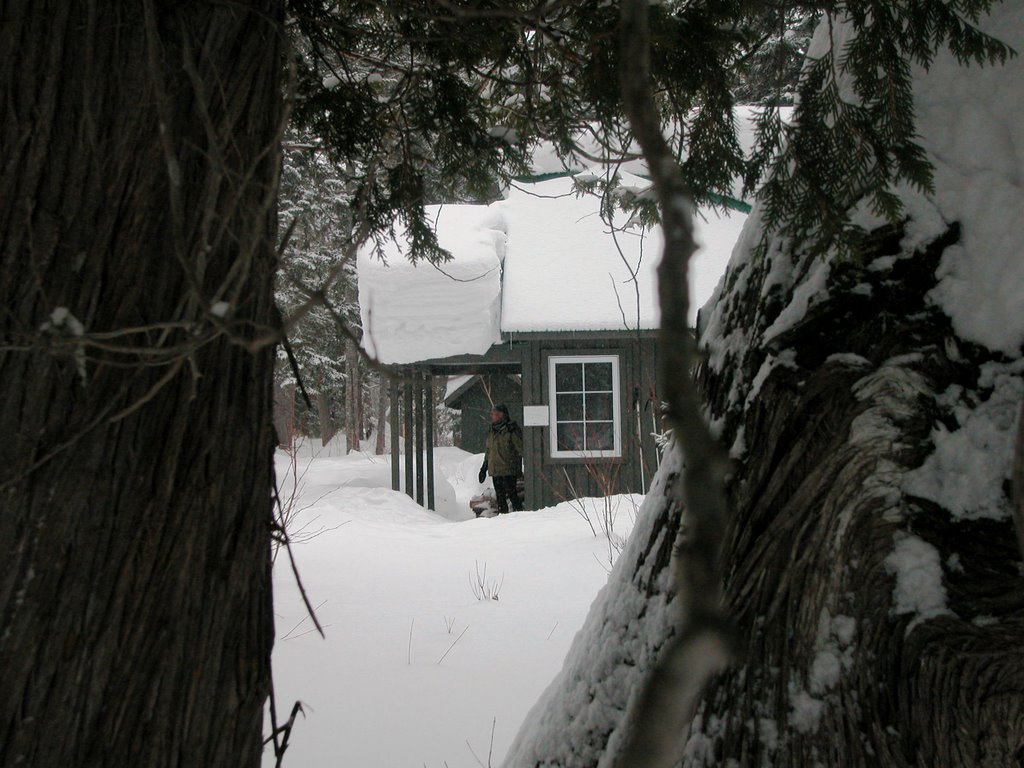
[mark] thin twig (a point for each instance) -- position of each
(453, 645)
(286, 343)
(300, 622)
(273, 715)
(153, 391)
(280, 747)
(302, 589)
(310, 632)
(462, 279)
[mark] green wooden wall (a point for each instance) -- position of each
(550, 480)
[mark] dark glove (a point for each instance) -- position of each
(483, 473)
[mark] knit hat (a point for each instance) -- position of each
(500, 407)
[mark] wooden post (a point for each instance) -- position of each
(419, 439)
(409, 447)
(430, 441)
(394, 404)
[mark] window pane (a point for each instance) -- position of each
(570, 436)
(599, 406)
(568, 377)
(569, 408)
(599, 377)
(583, 392)
(600, 436)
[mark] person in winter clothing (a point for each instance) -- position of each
(503, 458)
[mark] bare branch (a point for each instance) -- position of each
(660, 711)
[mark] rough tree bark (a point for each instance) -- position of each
(836, 670)
(137, 220)
(1018, 480)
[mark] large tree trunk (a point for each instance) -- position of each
(136, 251)
(880, 621)
(1018, 480)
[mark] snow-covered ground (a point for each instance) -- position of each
(419, 667)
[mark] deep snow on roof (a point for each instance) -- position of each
(564, 269)
(568, 270)
(418, 311)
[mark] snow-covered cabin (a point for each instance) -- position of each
(539, 287)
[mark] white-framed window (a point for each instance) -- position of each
(583, 396)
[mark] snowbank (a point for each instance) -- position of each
(415, 669)
(970, 123)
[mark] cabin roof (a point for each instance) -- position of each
(541, 260)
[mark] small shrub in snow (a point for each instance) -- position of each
(288, 528)
(602, 513)
(482, 588)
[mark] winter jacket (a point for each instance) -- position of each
(503, 456)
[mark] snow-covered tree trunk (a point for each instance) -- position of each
(871, 408)
(323, 409)
(136, 252)
(353, 396)
(872, 566)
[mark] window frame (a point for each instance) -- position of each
(616, 450)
